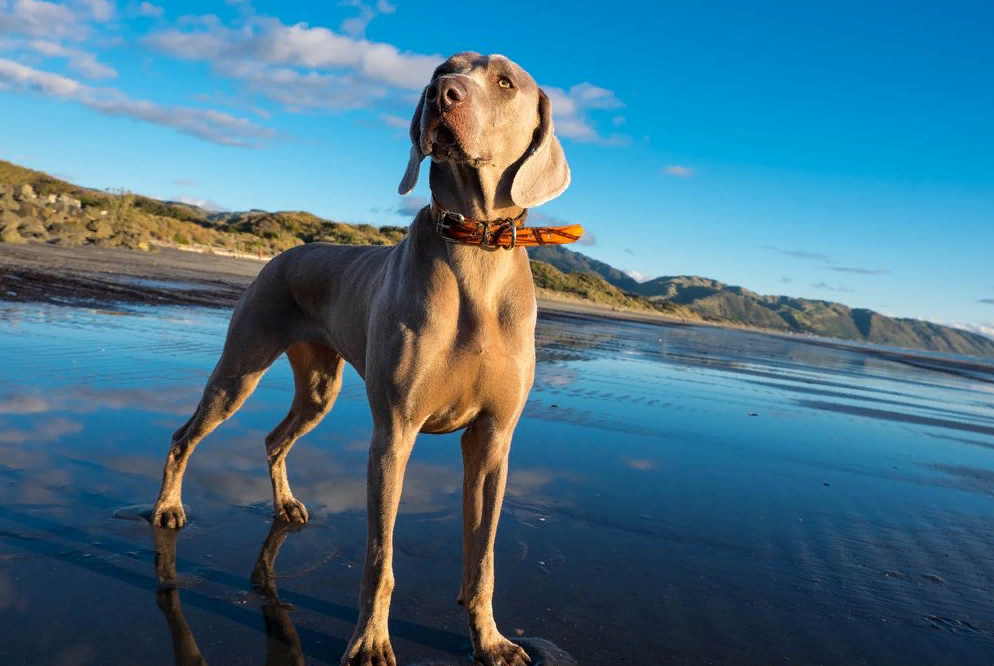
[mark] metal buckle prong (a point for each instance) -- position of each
(485, 234)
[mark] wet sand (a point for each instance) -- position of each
(90, 275)
(677, 495)
(168, 276)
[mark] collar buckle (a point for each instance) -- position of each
(442, 226)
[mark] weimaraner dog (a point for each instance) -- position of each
(442, 332)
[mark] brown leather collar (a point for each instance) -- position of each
(504, 232)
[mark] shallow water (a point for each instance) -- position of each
(676, 495)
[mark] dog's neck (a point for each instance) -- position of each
(478, 193)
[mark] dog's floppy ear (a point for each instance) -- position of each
(544, 174)
(410, 178)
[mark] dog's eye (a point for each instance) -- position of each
(505, 82)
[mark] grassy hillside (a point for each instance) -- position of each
(714, 299)
(35, 207)
(42, 183)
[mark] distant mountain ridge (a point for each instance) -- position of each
(718, 301)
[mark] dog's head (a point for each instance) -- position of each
(487, 112)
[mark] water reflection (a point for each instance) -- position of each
(283, 640)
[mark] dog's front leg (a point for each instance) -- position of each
(485, 450)
(389, 452)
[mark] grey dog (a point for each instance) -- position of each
(442, 333)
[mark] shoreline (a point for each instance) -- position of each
(86, 275)
(89, 276)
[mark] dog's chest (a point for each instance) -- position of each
(486, 368)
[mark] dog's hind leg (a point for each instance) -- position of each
(248, 353)
(317, 377)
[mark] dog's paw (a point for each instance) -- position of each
(291, 511)
(169, 516)
(369, 650)
(501, 652)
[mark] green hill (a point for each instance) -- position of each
(35, 207)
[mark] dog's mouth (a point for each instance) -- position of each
(441, 143)
(445, 145)
(444, 138)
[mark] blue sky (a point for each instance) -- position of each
(842, 150)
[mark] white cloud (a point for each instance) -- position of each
(37, 18)
(679, 171)
(204, 203)
(395, 121)
(17, 75)
(98, 10)
(833, 287)
(985, 328)
(595, 97)
(587, 239)
(298, 90)
(321, 48)
(410, 205)
(356, 25)
(299, 66)
(187, 45)
(570, 111)
(638, 277)
(206, 124)
(150, 10)
(79, 61)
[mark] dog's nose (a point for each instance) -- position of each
(446, 93)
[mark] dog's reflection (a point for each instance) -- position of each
(282, 641)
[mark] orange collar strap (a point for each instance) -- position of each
(503, 232)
